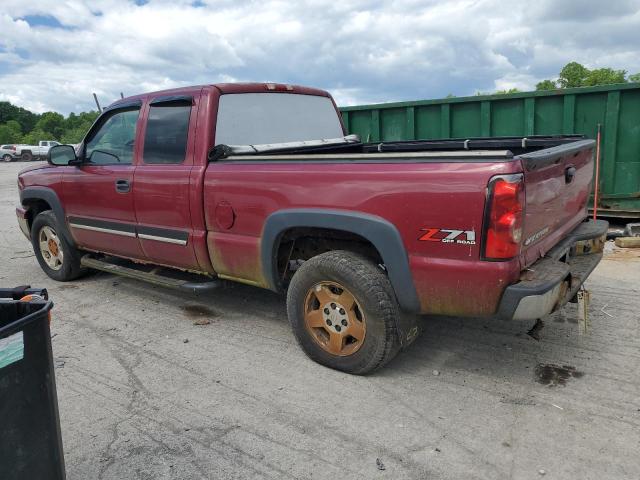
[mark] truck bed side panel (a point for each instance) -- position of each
(414, 197)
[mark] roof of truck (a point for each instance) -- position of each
(226, 88)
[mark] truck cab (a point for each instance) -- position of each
(258, 184)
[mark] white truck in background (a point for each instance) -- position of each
(27, 153)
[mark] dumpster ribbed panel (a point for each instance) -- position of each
(576, 110)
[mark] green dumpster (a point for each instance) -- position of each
(577, 110)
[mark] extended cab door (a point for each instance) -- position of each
(98, 194)
(163, 186)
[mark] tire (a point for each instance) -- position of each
(319, 286)
(7, 158)
(63, 266)
(26, 156)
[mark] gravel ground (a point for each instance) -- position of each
(147, 393)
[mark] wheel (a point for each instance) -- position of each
(7, 158)
(343, 312)
(26, 156)
(56, 257)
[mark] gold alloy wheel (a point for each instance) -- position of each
(50, 247)
(334, 318)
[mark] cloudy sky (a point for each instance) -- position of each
(55, 53)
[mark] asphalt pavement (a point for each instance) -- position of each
(156, 384)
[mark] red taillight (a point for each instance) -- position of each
(503, 229)
(12, 147)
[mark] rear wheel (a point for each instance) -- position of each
(343, 312)
(56, 257)
(26, 156)
(7, 158)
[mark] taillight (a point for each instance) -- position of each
(503, 220)
(12, 147)
(279, 87)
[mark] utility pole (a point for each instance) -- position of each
(95, 97)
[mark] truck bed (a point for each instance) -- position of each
(414, 186)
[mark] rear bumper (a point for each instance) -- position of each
(23, 222)
(553, 280)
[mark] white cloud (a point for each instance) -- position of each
(362, 51)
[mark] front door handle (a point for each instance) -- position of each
(122, 186)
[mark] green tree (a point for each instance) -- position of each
(604, 76)
(34, 136)
(15, 126)
(18, 125)
(546, 85)
(25, 118)
(507, 91)
(5, 134)
(52, 123)
(10, 132)
(75, 135)
(572, 75)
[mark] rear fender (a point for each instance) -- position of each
(383, 235)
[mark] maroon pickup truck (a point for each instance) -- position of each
(257, 183)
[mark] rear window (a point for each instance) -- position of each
(259, 118)
(167, 132)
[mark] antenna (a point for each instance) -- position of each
(121, 95)
(95, 97)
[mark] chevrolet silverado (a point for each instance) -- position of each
(258, 183)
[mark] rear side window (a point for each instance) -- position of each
(165, 140)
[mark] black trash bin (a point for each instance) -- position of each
(30, 440)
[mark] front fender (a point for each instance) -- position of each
(51, 197)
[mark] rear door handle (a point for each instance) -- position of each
(122, 186)
(569, 174)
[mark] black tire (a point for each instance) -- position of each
(70, 268)
(26, 156)
(7, 158)
(374, 295)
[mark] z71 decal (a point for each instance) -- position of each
(446, 235)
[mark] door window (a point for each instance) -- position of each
(165, 140)
(113, 141)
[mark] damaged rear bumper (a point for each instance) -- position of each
(553, 280)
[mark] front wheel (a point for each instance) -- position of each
(7, 158)
(56, 257)
(343, 312)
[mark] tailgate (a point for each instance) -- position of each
(558, 183)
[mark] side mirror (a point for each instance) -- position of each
(62, 155)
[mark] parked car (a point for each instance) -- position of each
(257, 184)
(8, 152)
(35, 152)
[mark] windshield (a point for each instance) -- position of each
(259, 118)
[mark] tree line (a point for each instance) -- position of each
(18, 125)
(575, 75)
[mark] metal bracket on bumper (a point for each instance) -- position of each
(555, 279)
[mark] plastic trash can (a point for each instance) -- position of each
(30, 440)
